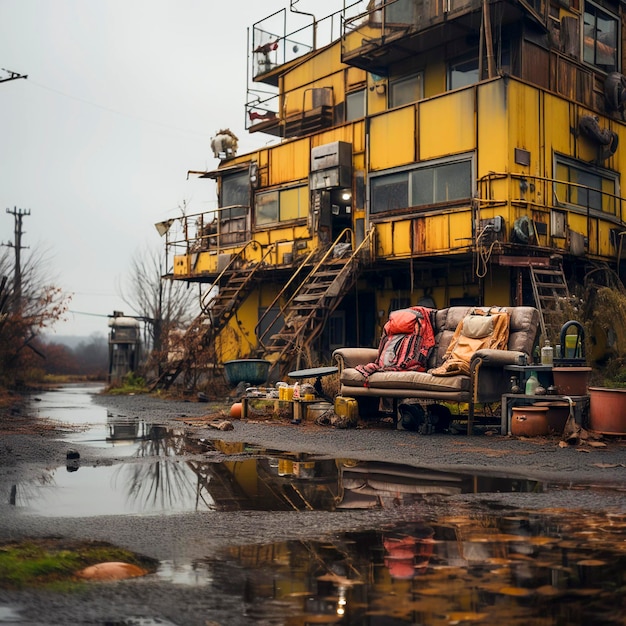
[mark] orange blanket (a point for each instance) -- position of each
(480, 329)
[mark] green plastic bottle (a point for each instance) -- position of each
(531, 384)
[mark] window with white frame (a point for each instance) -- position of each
(281, 205)
(600, 38)
(586, 186)
(442, 182)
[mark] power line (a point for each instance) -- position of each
(90, 314)
(116, 112)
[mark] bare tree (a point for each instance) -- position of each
(163, 304)
(25, 315)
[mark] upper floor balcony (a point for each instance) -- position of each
(390, 31)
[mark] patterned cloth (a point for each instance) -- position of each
(406, 344)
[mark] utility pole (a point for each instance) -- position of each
(18, 215)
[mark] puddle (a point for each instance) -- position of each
(481, 564)
(160, 484)
(501, 567)
(160, 488)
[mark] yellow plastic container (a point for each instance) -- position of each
(346, 407)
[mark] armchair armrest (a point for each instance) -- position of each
(351, 357)
(497, 358)
(489, 380)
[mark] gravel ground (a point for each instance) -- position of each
(27, 447)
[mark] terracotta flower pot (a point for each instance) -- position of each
(607, 410)
(529, 421)
(558, 412)
(571, 381)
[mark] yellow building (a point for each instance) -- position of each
(434, 152)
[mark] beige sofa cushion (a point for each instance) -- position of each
(411, 380)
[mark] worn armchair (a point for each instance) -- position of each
(486, 381)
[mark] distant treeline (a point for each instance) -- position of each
(89, 357)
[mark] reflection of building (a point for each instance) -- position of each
(124, 346)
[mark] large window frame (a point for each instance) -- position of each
(580, 185)
(600, 38)
(281, 205)
(436, 183)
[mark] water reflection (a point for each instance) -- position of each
(157, 481)
(171, 472)
(499, 567)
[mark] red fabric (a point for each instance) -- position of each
(407, 341)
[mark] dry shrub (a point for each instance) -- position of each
(608, 313)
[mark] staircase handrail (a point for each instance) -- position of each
(280, 293)
(338, 240)
(289, 300)
(205, 306)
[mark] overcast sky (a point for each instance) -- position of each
(121, 100)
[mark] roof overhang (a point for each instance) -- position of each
(215, 174)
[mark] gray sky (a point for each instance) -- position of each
(122, 98)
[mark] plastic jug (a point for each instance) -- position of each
(531, 384)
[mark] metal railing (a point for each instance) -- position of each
(201, 232)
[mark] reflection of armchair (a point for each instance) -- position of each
(408, 550)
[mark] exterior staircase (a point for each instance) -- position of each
(218, 306)
(550, 291)
(306, 309)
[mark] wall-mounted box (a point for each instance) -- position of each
(331, 165)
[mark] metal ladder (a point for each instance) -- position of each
(550, 290)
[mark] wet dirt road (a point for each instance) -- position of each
(283, 524)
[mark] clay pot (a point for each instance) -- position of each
(571, 381)
(529, 421)
(558, 412)
(607, 410)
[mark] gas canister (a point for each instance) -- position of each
(346, 407)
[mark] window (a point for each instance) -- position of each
(463, 71)
(600, 38)
(235, 191)
(355, 105)
(234, 204)
(442, 182)
(406, 89)
(590, 187)
(267, 208)
(390, 192)
(282, 205)
(401, 12)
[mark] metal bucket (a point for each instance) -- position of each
(317, 409)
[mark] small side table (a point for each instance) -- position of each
(318, 373)
(509, 400)
(544, 373)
